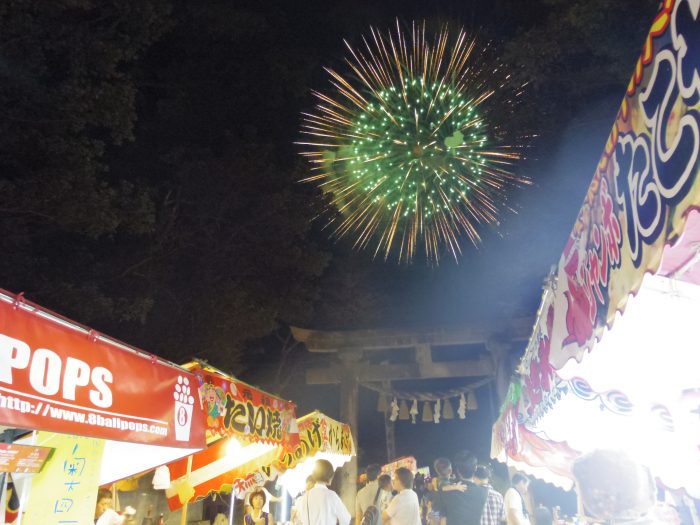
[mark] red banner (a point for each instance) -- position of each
(234, 408)
(57, 376)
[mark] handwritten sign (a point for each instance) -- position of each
(64, 493)
(22, 458)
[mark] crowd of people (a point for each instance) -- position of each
(612, 488)
(459, 494)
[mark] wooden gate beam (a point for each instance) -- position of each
(320, 341)
(333, 375)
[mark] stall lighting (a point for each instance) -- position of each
(238, 454)
(642, 386)
(294, 480)
(233, 448)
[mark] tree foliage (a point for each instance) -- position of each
(576, 51)
(147, 172)
(67, 93)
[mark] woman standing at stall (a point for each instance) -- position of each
(256, 515)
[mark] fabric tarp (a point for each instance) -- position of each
(227, 465)
(320, 438)
(639, 217)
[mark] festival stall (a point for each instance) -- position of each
(105, 410)
(408, 462)
(320, 437)
(613, 361)
(248, 430)
(243, 461)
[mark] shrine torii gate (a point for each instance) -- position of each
(354, 350)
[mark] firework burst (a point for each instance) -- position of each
(413, 145)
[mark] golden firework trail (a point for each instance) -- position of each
(413, 144)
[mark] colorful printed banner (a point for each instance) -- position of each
(233, 408)
(57, 376)
(640, 208)
(319, 433)
(645, 186)
(66, 490)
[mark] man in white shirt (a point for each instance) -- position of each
(369, 495)
(404, 509)
(514, 501)
(387, 492)
(310, 483)
(320, 505)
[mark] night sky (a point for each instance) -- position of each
(150, 177)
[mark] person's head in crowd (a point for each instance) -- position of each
(465, 464)
(385, 482)
(433, 485)
(403, 479)
(323, 472)
(482, 474)
(258, 499)
(310, 482)
(443, 468)
(419, 482)
(372, 472)
(104, 502)
(520, 482)
(543, 516)
(613, 486)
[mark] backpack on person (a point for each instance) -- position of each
(372, 515)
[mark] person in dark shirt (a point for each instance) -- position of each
(443, 478)
(543, 516)
(462, 507)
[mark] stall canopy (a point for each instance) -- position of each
(106, 410)
(248, 430)
(58, 376)
(227, 466)
(593, 377)
(320, 438)
(234, 408)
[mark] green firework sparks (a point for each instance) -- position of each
(408, 146)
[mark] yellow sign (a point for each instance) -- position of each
(66, 489)
(319, 433)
